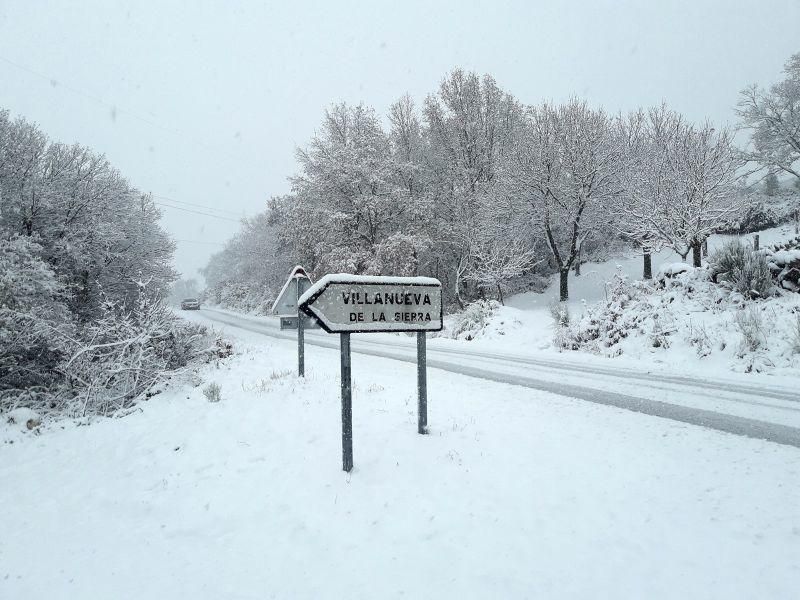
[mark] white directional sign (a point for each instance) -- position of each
(286, 303)
(359, 303)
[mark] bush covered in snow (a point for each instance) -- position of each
(604, 326)
(761, 211)
(213, 392)
(744, 270)
(84, 270)
(683, 308)
(784, 264)
(471, 322)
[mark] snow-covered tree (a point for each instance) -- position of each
(650, 182)
(707, 164)
(250, 270)
(771, 184)
(347, 193)
(679, 182)
(564, 169)
(470, 124)
(773, 119)
(76, 243)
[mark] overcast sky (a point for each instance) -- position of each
(203, 103)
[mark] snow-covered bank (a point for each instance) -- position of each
(691, 327)
(514, 494)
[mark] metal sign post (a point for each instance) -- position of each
(347, 404)
(301, 343)
(303, 283)
(348, 304)
(422, 384)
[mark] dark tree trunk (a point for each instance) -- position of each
(755, 242)
(500, 294)
(696, 254)
(564, 288)
(705, 248)
(648, 264)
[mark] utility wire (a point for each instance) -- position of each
(197, 212)
(199, 242)
(203, 206)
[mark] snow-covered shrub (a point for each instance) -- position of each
(126, 353)
(725, 261)
(559, 311)
(562, 334)
(756, 217)
(751, 326)
(25, 418)
(212, 392)
(468, 324)
(753, 279)
(35, 325)
(795, 335)
(699, 338)
(744, 270)
(784, 264)
(603, 327)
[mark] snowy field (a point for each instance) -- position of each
(514, 494)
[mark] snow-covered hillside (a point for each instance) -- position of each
(515, 493)
(692, 326)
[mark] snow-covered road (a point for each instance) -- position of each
(761, 410)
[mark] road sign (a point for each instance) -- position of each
(358, 303)
(286, 303)
(291, 323)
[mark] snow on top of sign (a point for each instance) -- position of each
(374, 279)
(298, 271)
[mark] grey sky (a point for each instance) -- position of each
(204, 102)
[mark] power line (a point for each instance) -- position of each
(197, 212)
(200, 242)
(204, 206)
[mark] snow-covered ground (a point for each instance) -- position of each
(515, 493)
(591, 285)
(526, 324)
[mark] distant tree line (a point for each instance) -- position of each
(84, 267)
(480, 191)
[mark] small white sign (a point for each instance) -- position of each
(352, 303)
(286, 303)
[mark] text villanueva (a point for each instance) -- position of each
(405, 299)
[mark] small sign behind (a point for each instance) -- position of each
(355, 304)
(291, 323)
(286, 303)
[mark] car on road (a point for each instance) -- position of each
(190, 304)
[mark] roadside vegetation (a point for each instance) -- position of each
(743, 306)
(84, 272)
